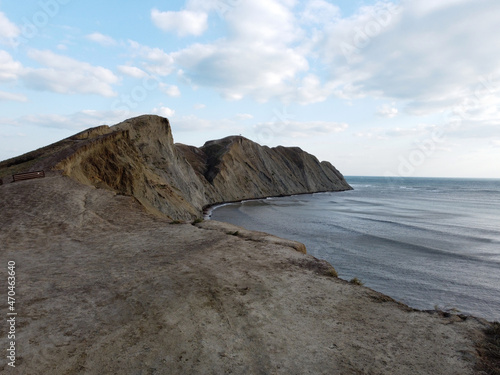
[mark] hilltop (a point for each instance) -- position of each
(138, 157)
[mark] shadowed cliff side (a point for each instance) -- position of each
(238, 169)
(138, 158)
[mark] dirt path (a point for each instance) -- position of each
(105, 288)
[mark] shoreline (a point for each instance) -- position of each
(113, 293)
(209, 208)
(460, 305)
(255, 235)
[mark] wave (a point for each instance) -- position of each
(434, 243)
(439, 232)
(360, 186)
(404, 246)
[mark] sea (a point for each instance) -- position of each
(431, 243)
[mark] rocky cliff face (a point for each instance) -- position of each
(139, 158)
(238, 168)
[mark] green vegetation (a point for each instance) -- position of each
(356, 281)
(197, 220)
(177, 222)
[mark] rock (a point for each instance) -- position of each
(251, 235)
(138, 157)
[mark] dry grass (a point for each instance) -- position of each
(356, 281)
(320, 267)
(489, 350)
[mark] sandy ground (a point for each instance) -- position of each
(105, 288)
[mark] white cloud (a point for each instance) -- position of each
(192, 123)
(48, 121)
(170, 90)
(237, 69)
(164, 111)
(9, 31)
(222, 7)
(244, 116)
(341, 42)
(132, 71)
(398, 52)
(415, 131)
(157, 61)
(65, 75)
(311, 90)
(388, 111)
(370, 135)
(320, 12)
(257, 58)
(8, 96)
(422, 8)
(199, 106)
(264, 55)
(9, 69)
(431, 56)
(184, 22)
(304, 129)
(264, 22)
(318, 127)
(77, 121)
(101, 39)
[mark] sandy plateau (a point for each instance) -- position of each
(104, 287)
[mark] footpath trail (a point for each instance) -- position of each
(103, 287)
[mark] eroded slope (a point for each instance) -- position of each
(103, 287)
(138, 158)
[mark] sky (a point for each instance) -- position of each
(405, 88)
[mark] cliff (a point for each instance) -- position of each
(239, 169)
(138, 157)
(104, 287)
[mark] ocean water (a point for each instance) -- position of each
(426, 242)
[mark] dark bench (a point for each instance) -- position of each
(27, 176)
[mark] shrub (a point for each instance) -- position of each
(332, 272)
(356, 281)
